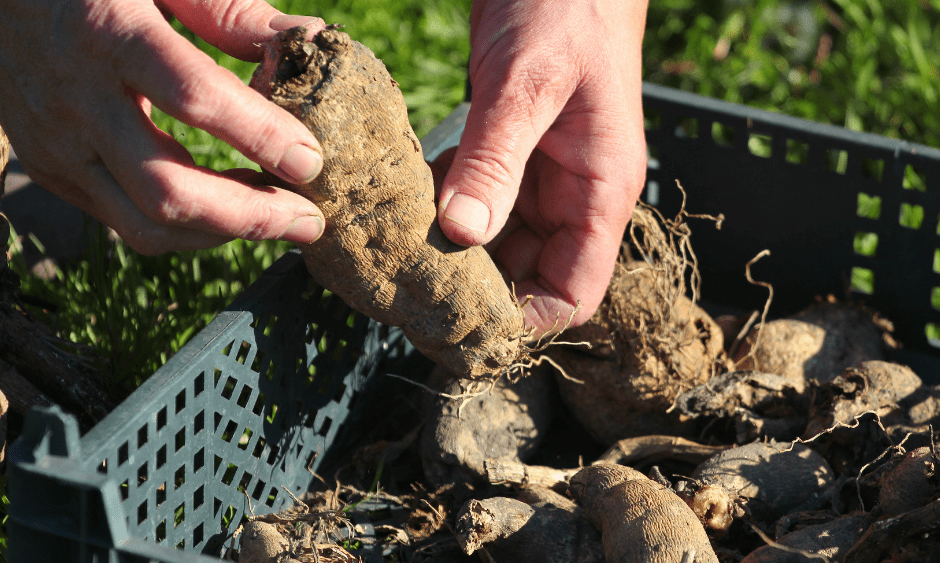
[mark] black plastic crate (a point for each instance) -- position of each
(271, 389)
(804, 191)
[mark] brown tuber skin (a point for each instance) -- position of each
(910, 485)
(640, 521)
(504, 421)
(832, 540)
(816, 344)
(873, 386)
(628, 387)
(774, 479)
(383, 251)
(511, 530)
(261, 543)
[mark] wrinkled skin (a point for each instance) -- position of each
(77, 80)
(553, 156)
(551, 163)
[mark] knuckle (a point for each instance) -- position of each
(192, 96)
(260, 143)
(260, 221)
(489, 169)
(168, 203)
(533, 85)
(151, 240)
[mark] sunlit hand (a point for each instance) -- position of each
(77, 79)
(553, 156)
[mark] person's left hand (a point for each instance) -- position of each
(553, 156)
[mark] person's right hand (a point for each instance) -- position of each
(77, 79)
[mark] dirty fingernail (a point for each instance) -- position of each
(468, 212)
(284, 22)
(301, 164)
(304, 230)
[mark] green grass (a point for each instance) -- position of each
(862, 64)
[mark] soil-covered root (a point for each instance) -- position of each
(518, 474)
(640, 520)
(500, 420)
(383, 251)
(648, 450)
(910, 536)
(649, 341)
(544, 496)
(760, 405)
(873, 386)
(923, 406)
(261, 542)
(832, 539)
(815, 344)
(772, 479)
(910, 484)
(511, 530)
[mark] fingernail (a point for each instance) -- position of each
(283, 22)
(304, 230)
(301, 164)
(468, 212)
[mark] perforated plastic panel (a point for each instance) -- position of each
(249, 413)
(248, 408)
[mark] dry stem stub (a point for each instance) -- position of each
(383, 251)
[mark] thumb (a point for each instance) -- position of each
(504, 125)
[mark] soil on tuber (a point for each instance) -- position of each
(816, 344)
(383, 251)
(772, 478)
(640, 521)
(832, 539)
(476, 421)
(512, 530)
(649, 342)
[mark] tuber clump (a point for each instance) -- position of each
(649, 342)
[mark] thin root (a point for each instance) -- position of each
(763, 316)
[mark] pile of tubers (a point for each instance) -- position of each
(692, 440)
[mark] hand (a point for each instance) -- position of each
(77, 79)
(553, 156)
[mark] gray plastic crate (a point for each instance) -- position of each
(270, 389)
(252, 404)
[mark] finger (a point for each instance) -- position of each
(111, 205)
(187, 84)
(573, 270)
(237, 27)
(505, 122)
(518, 254)
(159, 178)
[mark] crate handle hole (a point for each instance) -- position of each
(869, 207)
